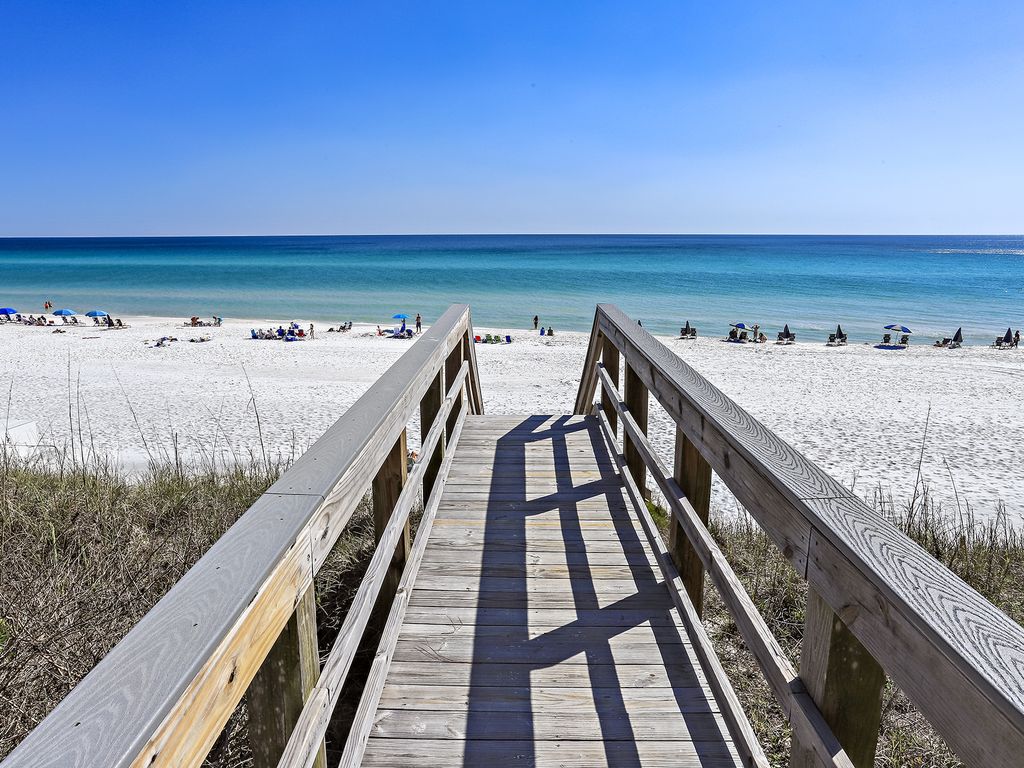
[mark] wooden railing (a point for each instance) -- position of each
(242, 621)
(877, 603)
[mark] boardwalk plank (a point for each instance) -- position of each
(539, 631)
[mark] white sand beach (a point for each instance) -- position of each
(858, 412)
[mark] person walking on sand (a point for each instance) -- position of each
(419, 323)
(536, 320)
(310, 331)
(1016, 338)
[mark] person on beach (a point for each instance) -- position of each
(1016, 338)
(379, 331)
(311, 331)
(536, 320)
(550, 332)
(419, 323)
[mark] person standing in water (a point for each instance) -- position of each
(536, 321)
(419, 323)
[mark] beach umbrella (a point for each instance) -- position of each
(65, 312)
(958, 337)
(95, 313)
(839, 331)
(741, 326)
(1008, 338)
(8, 311)
(785, 331)
(687, 327)
(399, 316)
(898, 328)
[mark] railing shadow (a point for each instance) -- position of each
(511, 504)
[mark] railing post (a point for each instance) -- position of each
(635, 397)
(387, 486)
(451, 369)
(693, 475)
(430, 405)
(610, 360)
(277, 693)
(845, 682)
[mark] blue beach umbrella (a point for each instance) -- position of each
(8, 311)
(95, 313)
(399, 317)
(741, 326)
(898, 328)
(65, 312)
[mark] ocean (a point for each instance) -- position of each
(930, 284)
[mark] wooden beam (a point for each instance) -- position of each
(844, 681)
(279, 691)
(363, 720)
(743, 735)
(693, 474)
(610, 362)
(430, 405)
(635, 399)
(475, 394)
(452, 365)
(940, 641)
(387, 487)
(588, 381)
(806, 720)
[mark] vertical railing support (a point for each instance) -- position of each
(387, 486)
(277, 693)
(845, 682)
(451, 369)
(634, 396)
(610, 360)
(693, 475)
(430, 405)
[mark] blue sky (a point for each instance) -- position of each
(136, 118)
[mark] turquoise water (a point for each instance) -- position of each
(931, 284)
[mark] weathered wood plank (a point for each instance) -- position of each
(465, 598)
(695, 726)
(362, 721)
(603, 587)
(279, 690)
(539, 633)
(540, 617)
(620, 675)
(387, 488)
(948, 654)
(418, 752)
(693, 475)
(583, 570)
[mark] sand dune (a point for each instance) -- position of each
(858, 412)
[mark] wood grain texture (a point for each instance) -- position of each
(936, 637)
(735, 719)
(277, 694)
(387, 486)
(362, 722)
(810, 729)
(542, 583)
(845, 683)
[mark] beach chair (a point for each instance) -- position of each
(300, 333)
(842, 339)
(541, 331)
(488, 339)
(476, 339)
(887, 338)
(905, 340)
(831, 340)
(252, 332)
(743, 336)
(508, 339)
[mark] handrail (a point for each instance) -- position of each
(959, 659)
(312, 725)
(736, 721)
(162, 695)
(804, 715)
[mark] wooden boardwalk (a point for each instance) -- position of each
(539, 630)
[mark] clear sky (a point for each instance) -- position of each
(135, 117)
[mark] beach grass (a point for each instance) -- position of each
(88, 551)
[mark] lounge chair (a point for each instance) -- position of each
(943, 342)
(508, 339)
(253, 332)
(842, 339)
(887, 338)
(476, 340)
(905, 340)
